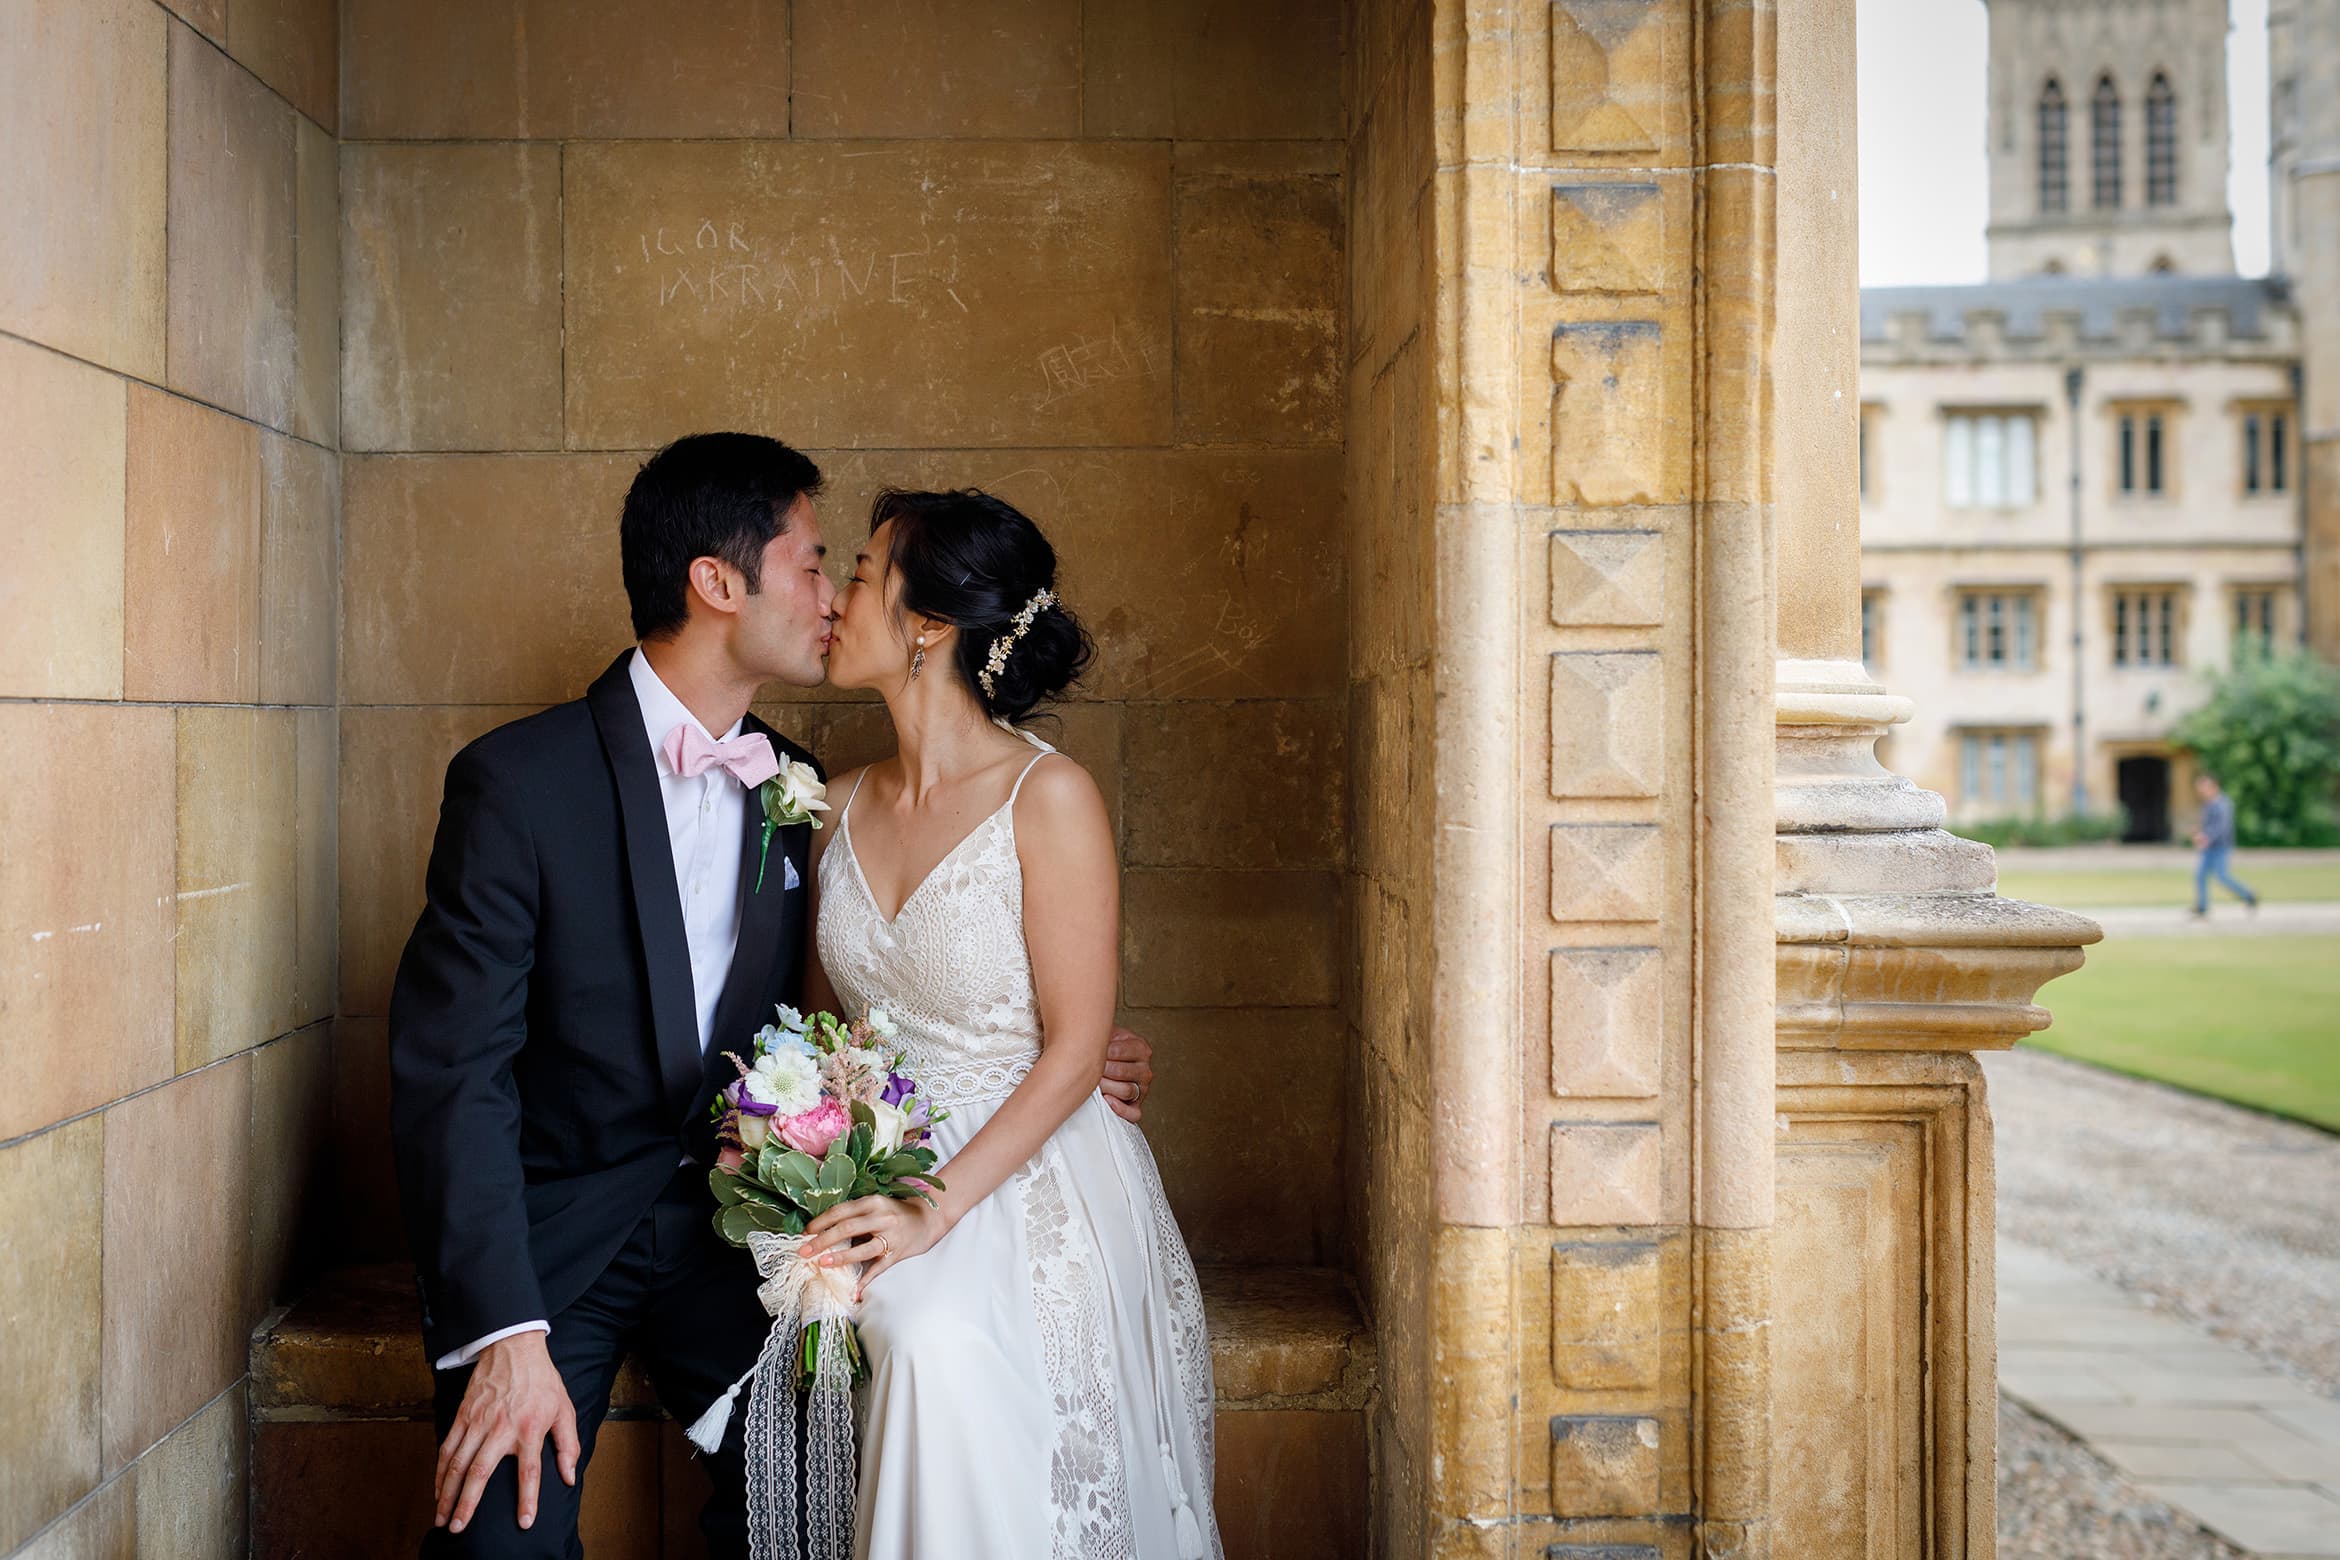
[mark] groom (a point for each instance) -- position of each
(602, 921)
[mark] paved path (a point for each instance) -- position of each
(2186, 1326)
(2312, 917)
(2250, 1453)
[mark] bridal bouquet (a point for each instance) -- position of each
(822, 1115)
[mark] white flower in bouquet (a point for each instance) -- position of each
(788, 1080)
(882, 1022)
(888, 1123)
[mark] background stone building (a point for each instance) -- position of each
(2084, 481)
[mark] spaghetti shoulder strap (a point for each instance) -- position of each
(846, 811)
(1045, 752)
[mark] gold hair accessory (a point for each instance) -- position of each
(1001, 647)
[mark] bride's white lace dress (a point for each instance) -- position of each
(1040, 1380)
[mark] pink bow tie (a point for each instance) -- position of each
(690, 753)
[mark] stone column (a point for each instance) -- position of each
(1895, 961)
(1601, 1042)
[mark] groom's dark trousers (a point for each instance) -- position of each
(547, 1083)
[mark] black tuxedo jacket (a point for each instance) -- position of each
(544, 1044)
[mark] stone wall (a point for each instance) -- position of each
(1089, 257)
(1392, 570)
(168, 574)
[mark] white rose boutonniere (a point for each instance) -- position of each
(791, 796)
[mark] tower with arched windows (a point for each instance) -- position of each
(2108, 138)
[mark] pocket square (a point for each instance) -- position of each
(788, 877)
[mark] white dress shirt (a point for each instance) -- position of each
(706, 819)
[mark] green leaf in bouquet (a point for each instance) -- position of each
(727, 1187)
(735, 1224)
(792, 1173)
(857, 1143)
(767, 1161)
(862, 1115)
(836, 1172)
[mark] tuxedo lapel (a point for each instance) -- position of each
(666, 952)
(764, 924)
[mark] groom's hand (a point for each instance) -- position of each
(1129, 1073)
(514, 1400)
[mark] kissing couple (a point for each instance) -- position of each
(607, 915)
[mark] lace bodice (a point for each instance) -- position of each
(951, 967)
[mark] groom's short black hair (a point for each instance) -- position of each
(706, 495)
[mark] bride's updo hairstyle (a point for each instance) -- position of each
(977, 563)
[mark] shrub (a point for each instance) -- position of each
(2027, 829)
(2271, 734)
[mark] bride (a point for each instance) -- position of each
(1039, 1373)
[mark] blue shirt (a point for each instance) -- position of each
(2218, 821)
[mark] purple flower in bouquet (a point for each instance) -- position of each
(897, 1089)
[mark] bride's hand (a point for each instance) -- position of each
(877, 1231)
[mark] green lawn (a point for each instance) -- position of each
(2251, 1019)
(2168, 885)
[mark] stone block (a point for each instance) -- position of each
(1608, 723)
(564, 69)
(1235, 785)
(1234, 1095)
(83, 88)
(292, 1112)
(911, 294)
(1604, 1466)
(300, 533)
(192, 553)
(1291, 1485)
(379, 1516)
(103, 1527)
(451, 297)
(177, 1235)
(316, 863)
(1286, 1337)
(1608, 1022)
(85, 908)
(1258, 357)
(1608, 579)
(1614, 437)
(49, 1213)
(935, 68)
(1203, 574)
(208, 17)
(1213, 70)
(1605, 1172)
(1611, 238)
(191, 1491)
(62, 445)
(233, 217)
(393, 771)
(432, 548)
(1229, 939)
(1607, 1311)
(316, 286)
(1607, 871)
(237, 833)
(1620, 78)
(294, 46)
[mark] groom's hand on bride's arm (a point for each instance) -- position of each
(514, 1400)
(1129, 1073)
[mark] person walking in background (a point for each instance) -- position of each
(2215, 840)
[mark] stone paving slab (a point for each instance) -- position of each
(2285, 918)
(2248, 1452)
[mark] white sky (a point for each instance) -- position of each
(1924, 180)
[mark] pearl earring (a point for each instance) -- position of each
(918, 660)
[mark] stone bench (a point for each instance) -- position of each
(342, 1443)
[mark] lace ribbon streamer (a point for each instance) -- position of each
(796, 1294)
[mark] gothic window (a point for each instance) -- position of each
(2055, 181)
(1998, 769)
(2160, 143)
(2104, 148)
(1989, 460)
(1998, 630)
(2143, 449)
(2254, 622)
(2266, 448)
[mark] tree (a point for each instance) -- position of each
(2271, 734)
